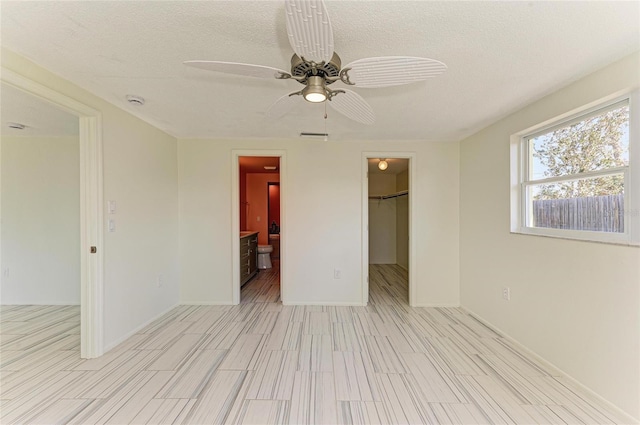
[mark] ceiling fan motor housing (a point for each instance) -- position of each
(302, 69)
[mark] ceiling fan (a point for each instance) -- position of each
(316, 66)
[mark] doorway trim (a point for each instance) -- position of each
(91, 213)
(411, 156)
(235, 218)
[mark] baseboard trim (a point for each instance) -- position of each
(136, 330)
(573, 381)
(433, 305)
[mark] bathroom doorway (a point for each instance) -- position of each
(387, 207)
(260, 221)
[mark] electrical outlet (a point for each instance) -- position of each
(337, 273)
(506, 293)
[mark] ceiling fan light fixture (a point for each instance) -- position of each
(315, 92)
(383, 165)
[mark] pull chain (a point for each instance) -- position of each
(325, 120)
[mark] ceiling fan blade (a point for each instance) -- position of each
(283, 105)
(249, 70)
(353, 106)
(390, 71)
(309, 29)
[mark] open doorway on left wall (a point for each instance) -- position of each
(41, 230)
(259, 228)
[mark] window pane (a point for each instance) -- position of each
(595, 204)
(597, 142)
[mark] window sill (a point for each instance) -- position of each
(622, 241)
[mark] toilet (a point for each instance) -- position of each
(264, 256)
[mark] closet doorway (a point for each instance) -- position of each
(387, 234)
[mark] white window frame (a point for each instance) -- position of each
(520, 181)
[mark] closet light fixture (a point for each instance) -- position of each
(383, 165)
(270, 167)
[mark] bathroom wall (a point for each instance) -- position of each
(274, 204)
(244, 207)
(258, 197)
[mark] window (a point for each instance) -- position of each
(575, 176)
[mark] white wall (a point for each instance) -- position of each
(40, 220)
(576, 304)
(140, 174)
(382, 220)
(324, 216)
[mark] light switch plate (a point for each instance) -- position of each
(111, 207)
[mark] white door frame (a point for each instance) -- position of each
(91, 212)
(235, 217)
(411, 156)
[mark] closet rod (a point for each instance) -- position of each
(393, 195)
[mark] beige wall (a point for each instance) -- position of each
(323, 229)
(576, 304)
(40, 220)
(140, 174)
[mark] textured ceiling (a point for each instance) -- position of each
(500, 57)
(41, 119)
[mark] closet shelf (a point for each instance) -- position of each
(391, 195)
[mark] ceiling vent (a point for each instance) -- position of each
(324, 136)
(135, 100)
(16, 125)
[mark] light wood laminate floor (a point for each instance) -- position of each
(261, 363)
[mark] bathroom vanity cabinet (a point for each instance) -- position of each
(248, 256)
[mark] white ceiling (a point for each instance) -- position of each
(501, 56)
(40, 118)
